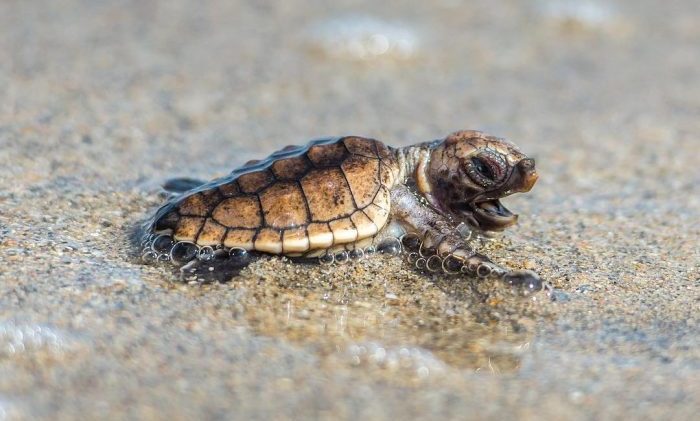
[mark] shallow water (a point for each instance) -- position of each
(102, 102)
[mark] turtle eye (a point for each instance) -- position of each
(486, 169)
(482, 168)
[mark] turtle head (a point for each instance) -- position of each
(469, 172)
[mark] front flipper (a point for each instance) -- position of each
(181, 185)
(451, 255)
(437, 245)
(525, 279)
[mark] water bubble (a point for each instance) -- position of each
(206, 253)
(162, 244)
(434, 263)
(411, 241)
(149, 256)
(146, 240)
(237, 252)
(183, 252)
(525, 280)
(391, 246)
(342, 257)
(221, 253)
(426, 252)
(451, 265)
(326, 259)
(357, 254)
(483, 270)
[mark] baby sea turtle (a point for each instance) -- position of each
(342, 197)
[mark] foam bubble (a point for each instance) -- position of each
(416, 360)
(18, 338)
(361, 37)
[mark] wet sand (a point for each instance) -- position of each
(102, 102)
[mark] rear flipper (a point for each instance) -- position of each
(194, 262)
(525, 281)
(219, 266)
(181, 185)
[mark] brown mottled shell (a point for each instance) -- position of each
(329, 192)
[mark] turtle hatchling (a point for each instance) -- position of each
(346, 197)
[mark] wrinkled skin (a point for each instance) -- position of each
(470, 171)
(462, 179)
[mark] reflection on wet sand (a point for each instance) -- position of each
(404, 321)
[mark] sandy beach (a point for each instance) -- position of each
(101, 102)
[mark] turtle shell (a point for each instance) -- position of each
(330, 192)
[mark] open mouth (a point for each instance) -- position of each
(490, 214)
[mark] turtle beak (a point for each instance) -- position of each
(523, 177)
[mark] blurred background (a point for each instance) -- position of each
(101, 101)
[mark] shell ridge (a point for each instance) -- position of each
(342, 142)
(375, 197)
(323, 141)
(308, 237)
(209, 220)
(352, 195)
(263, 222)
(357, 153)
(265, 163)
(370, 219)
(308, 161)
(201, 227)
(306, 204)
(246, 169)
(328, 224)
(376, 149)
(354, 226)
(254, 238)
